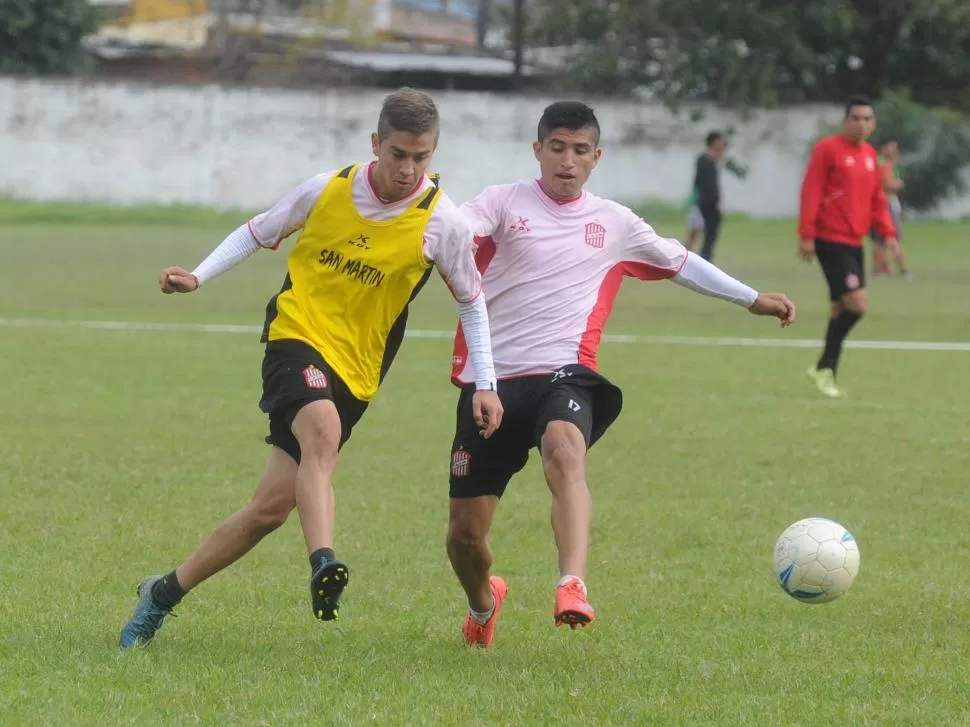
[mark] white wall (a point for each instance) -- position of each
(132, 143)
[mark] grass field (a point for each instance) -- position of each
(120, 449)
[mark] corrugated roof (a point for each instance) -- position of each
(473, 65)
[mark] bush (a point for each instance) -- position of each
(44, 36)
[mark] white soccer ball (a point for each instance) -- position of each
(816, 560)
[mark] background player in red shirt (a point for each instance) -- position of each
(842, 200)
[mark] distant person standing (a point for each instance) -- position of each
(892, 185)
(707, 186)
(842, 199)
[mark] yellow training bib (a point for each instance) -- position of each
(349, 283)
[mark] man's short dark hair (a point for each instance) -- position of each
(858, 100)
(407, 110)
(713, 138)
(568, 115)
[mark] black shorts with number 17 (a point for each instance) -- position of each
(573, 394)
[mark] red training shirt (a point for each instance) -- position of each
(842, 194)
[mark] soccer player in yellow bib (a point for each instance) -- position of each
(371, 234)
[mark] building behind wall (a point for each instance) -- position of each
(426, 43)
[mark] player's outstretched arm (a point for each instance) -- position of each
(265, 230)
(776, 305)
(236, 248)
(653, 257)
(702, 277)
(177, 280)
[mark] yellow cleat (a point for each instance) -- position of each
(824, 380)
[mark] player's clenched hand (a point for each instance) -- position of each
(177, 280)
(488, 410)
(806, 250)
(892, 245)
(777, 305)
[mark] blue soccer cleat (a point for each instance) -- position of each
(147, 618)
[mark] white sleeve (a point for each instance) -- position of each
(450, 245)
(702, 277)
(288, 215)
(474, 324)
(266, 229)
(238, 246)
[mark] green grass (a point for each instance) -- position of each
(120, 450)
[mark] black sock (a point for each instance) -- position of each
(320, 556)
(839, 328)
(822, 362)
(167, 592)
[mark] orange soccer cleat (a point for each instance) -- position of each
(571, 605)
(483, 635)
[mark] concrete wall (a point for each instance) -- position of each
(130, 143)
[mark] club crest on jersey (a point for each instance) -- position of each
(314, 377)
(870, 165)
(461, 463)
(595, 234)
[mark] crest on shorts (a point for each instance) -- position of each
(314, 377)
(851, 281)
(595, 234)
(461, 463)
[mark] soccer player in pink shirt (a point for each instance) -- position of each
(553, 257)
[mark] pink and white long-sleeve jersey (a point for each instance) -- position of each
(551, 272)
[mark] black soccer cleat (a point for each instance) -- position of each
(326, 585)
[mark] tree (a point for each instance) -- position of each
(44, 36)
(933, 63)
(913, 56)
(761, 52)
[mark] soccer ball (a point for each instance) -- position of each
(816, 560)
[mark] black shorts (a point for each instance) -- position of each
(574, 394)
(295, 374)
(843, 266)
